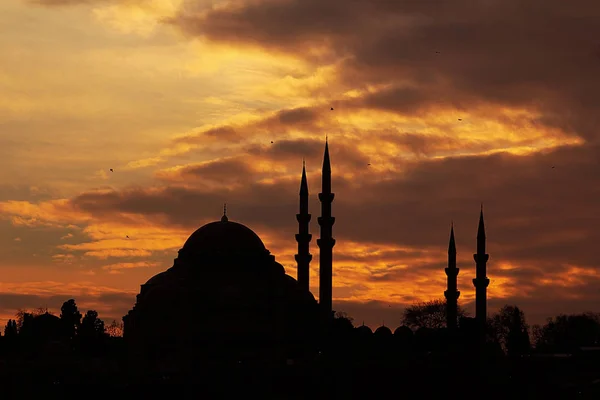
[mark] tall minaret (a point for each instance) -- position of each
(303, 238)
(326, 241)
(451, 294)
(481, 281)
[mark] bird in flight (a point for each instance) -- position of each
(127, 236)
(553, 166)
(460, 119)
(271, 141)
(331, 108)
(369, 164)
(111, 170)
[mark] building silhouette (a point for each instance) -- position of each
(226, 294)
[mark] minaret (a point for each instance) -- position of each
(303, 238)
(481, 281)
(326, 241)
(451, 294)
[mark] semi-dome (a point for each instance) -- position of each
(224, 236)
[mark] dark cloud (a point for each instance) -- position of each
(287, 149)
(297, 116)
(221, 171)
(534, 54)
(226, 133)
(274, 126)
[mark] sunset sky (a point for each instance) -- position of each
(453, 103)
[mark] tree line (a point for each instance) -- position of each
(32, 330)
(508, 328)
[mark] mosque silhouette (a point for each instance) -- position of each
(226, 296)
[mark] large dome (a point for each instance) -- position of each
(224, 236)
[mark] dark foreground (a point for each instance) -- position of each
(527, 377)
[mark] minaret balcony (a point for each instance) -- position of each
(300, 258)
(481, 282)
(303, 218)
(303, 237)
(451, 295)
(452, 272)
(325, 242)
(326, 197)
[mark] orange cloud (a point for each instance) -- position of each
(54, 213)
(117, 267)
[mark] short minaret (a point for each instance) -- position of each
(481, 281)
(303, 238)
(326, 241)
(451, 294)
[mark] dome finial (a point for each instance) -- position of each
(224, 217)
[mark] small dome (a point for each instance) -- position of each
(224, 236)
(364, 330)
(383, 331)
(403, 331)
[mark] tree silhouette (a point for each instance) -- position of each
(40, 311)
(568, 332)
(70, 318)
(343, 318)
(511, 330)
(92, 334)
(25, 323)
(92, 326)
(429, 314)
(342, 323)
(10, 330)
(19, 317)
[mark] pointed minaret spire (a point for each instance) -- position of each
(224, 217)
(303, 181)
(481, 280)
(303, 258)
(451, 293)
(452, 243)
(326, 241)
(481, 233)
(326, 177)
